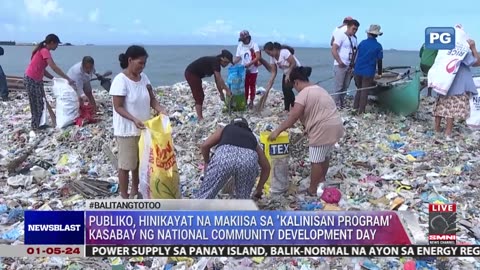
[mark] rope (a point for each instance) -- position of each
(324, 80)
(351, 91)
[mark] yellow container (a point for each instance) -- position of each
(274, 149)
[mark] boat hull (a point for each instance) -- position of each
(15, 83)
(400, 96)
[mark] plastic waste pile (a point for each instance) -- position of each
(397, 164)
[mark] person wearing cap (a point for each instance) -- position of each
(344, 51)
(370, 55)
(317, 111)
(205, 67)
(340, 29)
(249, 54)
(36, 70)
(237, 155)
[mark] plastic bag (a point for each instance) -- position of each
(278, 156)
(473, 120)
(236, 83)
(158, 171)
(67, 108)
(44, 118)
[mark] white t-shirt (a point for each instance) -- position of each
(80, 78)
(344, 47)
(247, 54)
(282, 62)
(137, 103)
(342, 29)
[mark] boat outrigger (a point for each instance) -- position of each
(15, 83)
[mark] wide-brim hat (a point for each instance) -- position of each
(375, 30)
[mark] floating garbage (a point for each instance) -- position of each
(394, 164)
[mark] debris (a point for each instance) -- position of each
(331, 195)
(394, 164)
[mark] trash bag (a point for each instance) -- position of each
(236, 83)
(44, 118)
(473, 120)
(158, 171)
(277, 154)
(67, 108)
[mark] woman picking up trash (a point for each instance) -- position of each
(237, 155)
(205, 67)
(323, 126)
(456, 103)
(281, 57)
(133, 97)
(36, 70)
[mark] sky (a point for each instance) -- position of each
(306, 23)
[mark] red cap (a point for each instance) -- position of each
(348, 18)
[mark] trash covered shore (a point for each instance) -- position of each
(385, 162)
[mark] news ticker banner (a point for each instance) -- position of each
(243, 228)
(216, 228)
(213, 227)
(230, 251)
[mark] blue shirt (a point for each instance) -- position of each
(369, 51)
(463, 82)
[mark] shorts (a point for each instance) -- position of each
(195, 83)
(128, 153)
(319, 154)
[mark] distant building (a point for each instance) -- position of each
(8, 43)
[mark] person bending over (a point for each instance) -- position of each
(205, 67)
(237, 155)
(317, 111)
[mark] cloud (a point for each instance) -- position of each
(112, 29)
(93, 15)
(42, 8)
(218, 27)
(137, 22)
(302, 37)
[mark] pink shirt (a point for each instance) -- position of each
(38, 64)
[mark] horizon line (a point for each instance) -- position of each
(185, 45)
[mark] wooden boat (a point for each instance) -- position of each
(15, 83)
(398, 90)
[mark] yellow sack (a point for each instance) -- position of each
(278, 155)
(158, 171)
